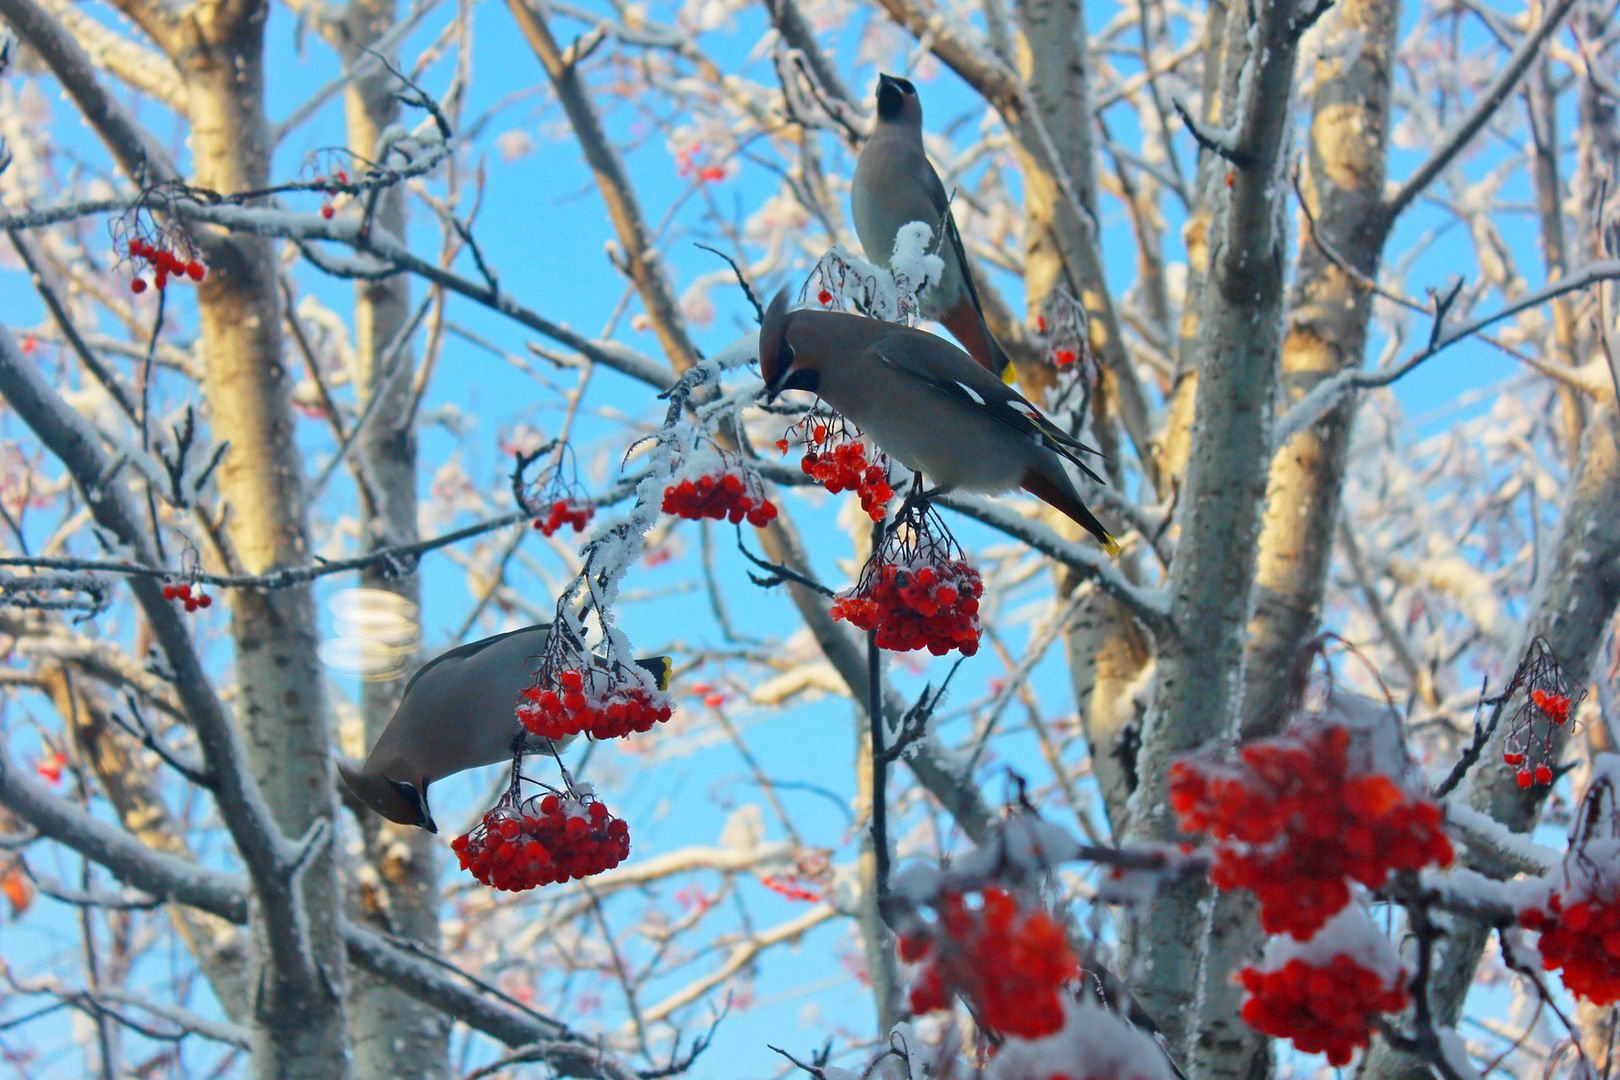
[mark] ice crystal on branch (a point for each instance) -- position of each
(841, 280)
(1542, 703)
(917, 591)
(1298, 819)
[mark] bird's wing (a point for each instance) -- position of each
(471, 649)
(949, 371)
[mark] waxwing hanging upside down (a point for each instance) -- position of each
(927, 404)
(458, 712)
(895, 185)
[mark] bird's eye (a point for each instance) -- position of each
(411, 795)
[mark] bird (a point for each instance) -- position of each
(458, 712)
(895, 185)
(927, 404)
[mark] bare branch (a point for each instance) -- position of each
(1480, 113)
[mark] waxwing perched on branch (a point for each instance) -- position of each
(927, 404)
(457, 713)
(895, 185)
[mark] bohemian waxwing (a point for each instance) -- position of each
(458, 712)
(895, 185)
(926, 403)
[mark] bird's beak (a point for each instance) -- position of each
(427, 821)
(885, 79)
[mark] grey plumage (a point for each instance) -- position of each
(894, 185)
(457, 713)
(927, 404)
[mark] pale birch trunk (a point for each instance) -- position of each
(1327, 332)
(298, 1026)
(1198, 675)
(395, 1036)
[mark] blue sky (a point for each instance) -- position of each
(543, 229)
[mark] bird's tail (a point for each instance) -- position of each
(966, 324)
(660, 667)
(1062, 496)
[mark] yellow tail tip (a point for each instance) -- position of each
(661, 668)
(1009, 374)
(1111, 546)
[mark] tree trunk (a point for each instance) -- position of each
(395, 1036)
(1327, 333)
(1198, 676)
(298, 1028)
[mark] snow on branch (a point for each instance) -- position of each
(1326, 395)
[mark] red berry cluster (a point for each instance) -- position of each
(791, 887)
(727, 496)
(1582, 938)
(594, 702)
(192, 599)
(338, 177)
(836, 459)
(1323, 1009)
(920, 604)
(544, 840)
(1544, 706)
(1554, 708)
(165, 263)
(575, 512)
(1010, 964)
(1296, 827)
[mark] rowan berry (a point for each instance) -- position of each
(598, 702)
(1010, 963)
(1296, 825)
(918, 604)
(723, 496)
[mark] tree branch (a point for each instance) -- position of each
(1480, 114)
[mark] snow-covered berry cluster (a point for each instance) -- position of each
(917, 604)
(835, 457)
(194, 599)
(545, 839)
(1324, 1009)
(1009, 962)
(725, 496)
(575, 512)
(1296, 825)
(165, 264)
(593, 700)
(1324, 993)
(1093, 1044)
